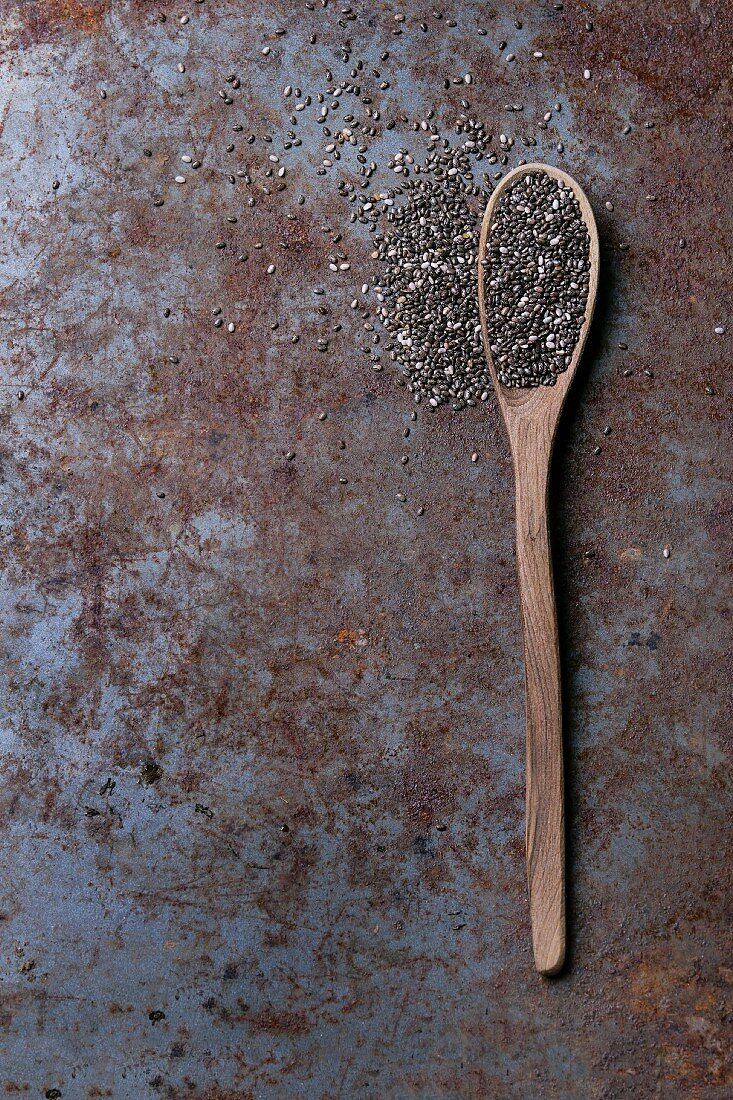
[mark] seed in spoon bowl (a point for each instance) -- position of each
(536, 276)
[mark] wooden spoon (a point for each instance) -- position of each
(531, 416)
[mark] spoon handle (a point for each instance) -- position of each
(545, 826)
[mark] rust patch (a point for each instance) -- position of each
(51, 20)
(274, 1021)
(222, 1094)
(351, 638)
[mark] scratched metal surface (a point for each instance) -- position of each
(262, 785)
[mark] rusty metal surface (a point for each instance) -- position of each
(262, 784)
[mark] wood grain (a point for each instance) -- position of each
(531, 417)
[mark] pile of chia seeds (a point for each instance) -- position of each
(536, 273)
(428, 294)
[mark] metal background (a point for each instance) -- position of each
(262, 731)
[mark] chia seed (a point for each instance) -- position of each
(536, 275)
(426, 298)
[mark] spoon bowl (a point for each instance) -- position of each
(529, 399)
(531, 415)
